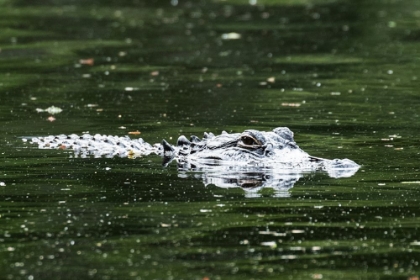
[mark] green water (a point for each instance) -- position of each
(343, 75)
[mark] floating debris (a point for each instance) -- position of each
(291, 104)
(231, 36)
(130, 88)
(273, 233)
(271, 244)
(2, 184)
(51, 119)
(87, 61)
(51, 110)
(288, 257)
(394, 136)
(134, 132)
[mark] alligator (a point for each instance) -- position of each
(251, 158)
(274, 149)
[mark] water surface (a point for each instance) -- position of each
(343, 75)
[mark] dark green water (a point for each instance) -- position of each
(343, 75)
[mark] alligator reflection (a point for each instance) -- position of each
(253, 180)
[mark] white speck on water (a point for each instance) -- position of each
(231, 36)
(130, 88)
(392, 24)
(205, 210)
(271, 244)
(51, 110)
(288, 257)
(297, 248)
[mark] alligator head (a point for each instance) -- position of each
(239, 147)
(274, 149)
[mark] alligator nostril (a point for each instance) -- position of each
(268, 151)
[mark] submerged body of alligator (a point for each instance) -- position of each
(255, 153)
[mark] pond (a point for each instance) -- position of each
(342, 75)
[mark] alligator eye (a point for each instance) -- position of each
(248, 141)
